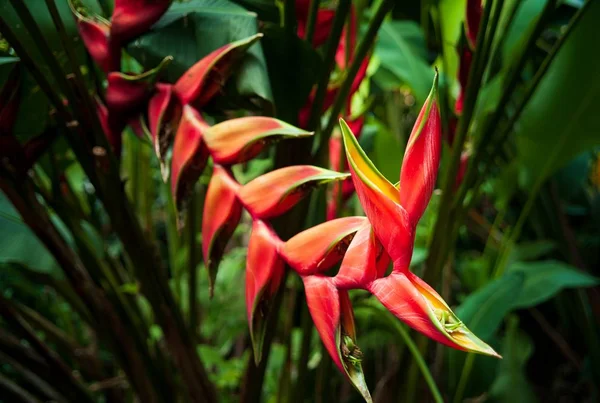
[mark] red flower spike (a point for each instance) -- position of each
(364, 261)
(131, 18)
(381, 202)
(332, 314)
(111, 126)
(222, 212)
(473, 21)
(189, 154)
(239, 140)
(422, 158)
(415, 303)
(163, 117)
(204, 79)
(274, 193)
(127, 94)
(95, 34)
(319, 248)
(264, 271)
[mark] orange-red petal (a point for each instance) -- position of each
(264, 271)
(239, 140)
(274, 193)
(222, 212)
(319, 248)
(189, 154)
(205, 78)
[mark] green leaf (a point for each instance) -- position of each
(484, 310)
(543, 280)
(511, 383)
(293, 68)
(19, 244)
(401, 51)
(450, 17)
(561, 119)
(191, 30)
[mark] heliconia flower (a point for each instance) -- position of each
(274, 193)
(332, 314)
(473, 21)
(132, 18)
(318, 248)
(364, 261)
(264, 271)
(111, 126)
(422, 158)
(418, 305)
(95, 33)
(380, 201)
(222, 212)
(204, 80)
(189, 154)
(239, 140)
(323, 26)
(128, 93)
(163, 117)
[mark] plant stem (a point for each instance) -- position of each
(464, 377)
(302, 364)
(363, 48)
(328, 63)
(312, 20)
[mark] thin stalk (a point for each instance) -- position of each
(418, 357)
(312, 19)
(484, 39)
(363, 48)
(302, 364)
(464, 378)
(328, 62)
(13, 391)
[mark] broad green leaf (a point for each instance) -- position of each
(401, 51)
(533, 250)
(293, 68)
(543, 280)
(19, 244)
(511, 383)
(561, 119)
(484, 310)
(525, 18)
(191, 30)
(450, 17)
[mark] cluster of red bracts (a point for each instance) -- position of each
(365, 245)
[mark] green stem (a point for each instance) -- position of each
(328, 62)
(484, 39)
(302, 364)
(312, 19)
(464, 378)
(364, 46)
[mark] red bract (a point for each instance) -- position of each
(345, 50)
(204, 79)
(163, 118)
(319, 248)
(421, 159)
(95, 35)
(189, 154)
(222, 212)
(132, 18)
(332, 314)
(111, 127)
(264, 271)
(323, 24)
(418, 305)
(403, 293)
(276, 192)
(128, 93)
(239, 140)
